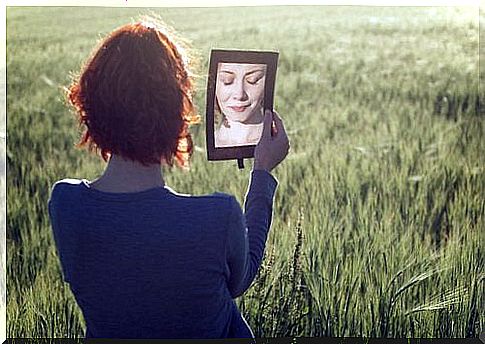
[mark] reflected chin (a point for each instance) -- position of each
(244, 117)
(237, 116)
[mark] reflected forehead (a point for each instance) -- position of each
(243, 68)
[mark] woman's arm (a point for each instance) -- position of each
(248, 232)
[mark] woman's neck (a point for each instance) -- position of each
(123, 175)
(243, 126)
(239, 133)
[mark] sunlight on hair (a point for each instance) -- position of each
(155, 21)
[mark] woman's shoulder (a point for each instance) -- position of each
(66, 183)
(215, 196)
(64, 186)
(217, 200)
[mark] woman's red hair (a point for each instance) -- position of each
(134, 97)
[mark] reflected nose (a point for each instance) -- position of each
(239, 92)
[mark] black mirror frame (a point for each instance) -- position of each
(270, 59)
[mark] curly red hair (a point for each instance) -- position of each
(134, 97)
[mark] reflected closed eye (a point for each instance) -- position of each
(254, 80)
(227, 81)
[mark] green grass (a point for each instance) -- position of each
(379, 212)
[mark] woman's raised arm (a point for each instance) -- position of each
(248, 232)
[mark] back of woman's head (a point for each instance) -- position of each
(134, 96)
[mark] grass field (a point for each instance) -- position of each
(380, 209)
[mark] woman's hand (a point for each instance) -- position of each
(273, 145)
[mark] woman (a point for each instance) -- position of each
(239, 99)
(142, 260)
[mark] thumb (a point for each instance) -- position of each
(267, 123)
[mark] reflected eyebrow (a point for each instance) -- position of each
(255, 71)
(226, 71)
(248, 73)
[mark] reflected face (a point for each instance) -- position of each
(240, 91)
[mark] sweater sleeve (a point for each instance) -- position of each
(53, 204)
(248, 232)
(62, 232)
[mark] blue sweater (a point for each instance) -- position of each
(159, 264)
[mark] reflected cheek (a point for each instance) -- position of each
(256, 97)
(223, 93)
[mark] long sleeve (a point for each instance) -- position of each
(248, 232)
(53, 204)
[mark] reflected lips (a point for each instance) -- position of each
(238, 108)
